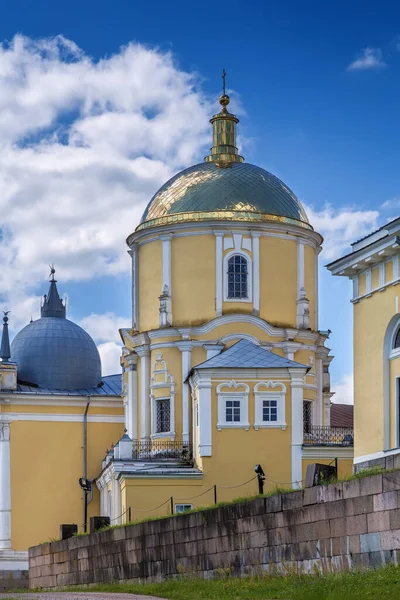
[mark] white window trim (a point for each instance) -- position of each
(233, 391)
(189, 507)
(249, 277)
(270, 390)
(162, 434)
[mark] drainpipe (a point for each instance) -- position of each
(85, 491)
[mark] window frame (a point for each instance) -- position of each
(190, 507)
(270, 390)
(229, 391)
(247, 257)
(156, 402)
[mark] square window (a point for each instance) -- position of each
(232, 408)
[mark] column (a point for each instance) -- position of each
(319, 381)
(144, 354)
(297, 382)
(300, 266)
(186, 349)
(355, 287)
(132, 420)
(116, 501)
(218, 272)
(368, 281)
(256, 272)
(316, 290)
(135, 284)
(205, 417)
(5, 487)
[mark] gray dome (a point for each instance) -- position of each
(55, 353)
(237, 191)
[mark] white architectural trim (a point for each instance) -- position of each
(388, 353)
(382, 274)
(296, 385)
(166, 262)
(249, 276)
(13, 560)
(368, 281)
(186, 349)
(64, 418)
(132, 398)
(326, 452)
(205, 417)
(79, 401)
(218, 272)
(270, 390)
(212, 349)
(162, 380)
(395, 274)
(233, 390)
(5, 486)
(375, 455)
(144, 354)
(355, 287)
(256, 272)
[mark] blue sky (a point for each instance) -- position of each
(327, 129)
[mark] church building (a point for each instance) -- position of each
(223, 368)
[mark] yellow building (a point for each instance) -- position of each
(373, 267)
(224, 366)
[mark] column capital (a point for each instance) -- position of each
(166, 237)
(185, 346)
(4, 431)
(255, 234)
(219, 233)
(143, 350)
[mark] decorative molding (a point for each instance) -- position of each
(160, 380)
(235, 390)
(274, 390)
(62, 418)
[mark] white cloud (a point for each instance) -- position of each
(340, 227)
(83, 146)
(369, 58)
(392, 203)
(104, 328)
(344, 390)
(110, 354)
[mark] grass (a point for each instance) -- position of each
(378, 584)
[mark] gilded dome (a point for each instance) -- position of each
(235, 191)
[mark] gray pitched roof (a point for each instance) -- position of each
(111, 386)
(247, 355)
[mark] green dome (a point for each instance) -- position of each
(235, 191)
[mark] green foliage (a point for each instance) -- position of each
(375, 584)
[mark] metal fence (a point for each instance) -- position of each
(162, 451)
(318, 435)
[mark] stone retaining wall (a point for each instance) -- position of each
(12, 580)
(329, 528)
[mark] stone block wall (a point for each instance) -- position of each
(326, 528)
(390, 460)
(12, 580)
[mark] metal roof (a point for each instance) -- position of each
(112, 386)
(238, 192)
(247, 355)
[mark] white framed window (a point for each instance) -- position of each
(270, 405)
(163, 415)
(180, 508)
(233, 401)
(237, 277)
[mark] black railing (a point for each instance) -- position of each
(162, 451)
(318, 435)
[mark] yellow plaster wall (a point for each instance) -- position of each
(278, 280)
(309, 281)
(371, 319)
(193, 279)
(389, 271)
(150, 284)
(375, 278)
(46, 463)
(361, 284)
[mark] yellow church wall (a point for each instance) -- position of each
(198, 355)
(361, 284)
(371, 319)
(62, 410)
(345, 465)
(277, 293)
(394, 370)
(309, 280)
(193, 279)
(375, 278)
(150, 284)
(46, 463)
(389, 271)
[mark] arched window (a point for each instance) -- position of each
(237, 276)
(397, 339)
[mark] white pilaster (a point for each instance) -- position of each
(213, 349)
(395, 267)
(355, 287)
(144, 354)
(166, 273)
(134, 252)
(132, 412)
(116, 502)
(300, 266)
(218, 272)
(316, 290)
(319, 374)
(205, 418)
(297, 383)
(256, 272)
(186, 349)
(382, 274)
(368, 281)
(5, 487)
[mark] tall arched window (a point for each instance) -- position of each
(397, 339)
(237, 276)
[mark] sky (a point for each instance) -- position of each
(100, 103)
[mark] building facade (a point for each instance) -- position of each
(373, 268)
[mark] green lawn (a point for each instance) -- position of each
(383, 583)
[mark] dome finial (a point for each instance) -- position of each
(5, 353)
(224, 151)
(52, 272)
